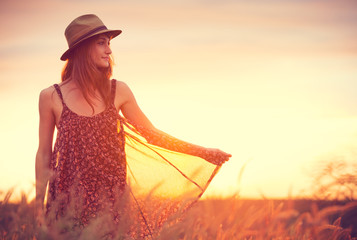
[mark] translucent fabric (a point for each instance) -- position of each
(105, 167)
(163, 179)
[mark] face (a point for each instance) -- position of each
(100, 51)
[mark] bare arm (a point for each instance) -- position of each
(133, 113)
(43, 156)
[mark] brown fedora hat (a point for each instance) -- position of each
(82, 28)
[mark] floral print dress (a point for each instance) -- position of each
(96, 158)
(88, 163)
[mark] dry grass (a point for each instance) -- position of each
(335, 178)
(332, 215)
(208, 219)
(261, 219)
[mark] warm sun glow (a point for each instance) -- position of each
(272, 83)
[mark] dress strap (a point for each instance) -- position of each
(113, 90)
(58, 90)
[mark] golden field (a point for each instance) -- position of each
(330, 213)
(231, 218)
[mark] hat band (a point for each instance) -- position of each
(88, 34)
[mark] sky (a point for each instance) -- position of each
(272, 82)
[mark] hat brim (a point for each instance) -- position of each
(112, 33)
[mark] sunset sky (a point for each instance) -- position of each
(273, 82)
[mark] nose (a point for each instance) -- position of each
(108, 50)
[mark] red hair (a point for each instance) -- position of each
(81, 69)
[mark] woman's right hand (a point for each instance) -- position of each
(216, 156)
(39, 213)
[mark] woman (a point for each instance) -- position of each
(89, 158)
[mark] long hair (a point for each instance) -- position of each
(81, 69)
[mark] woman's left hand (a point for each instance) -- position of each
(216, 156)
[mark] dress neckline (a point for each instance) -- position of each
(64, 105)
(84, 116)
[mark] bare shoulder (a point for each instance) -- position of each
(123, 90)
(48, 98)
(123, 94)
(122, 86)
(47, 94)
